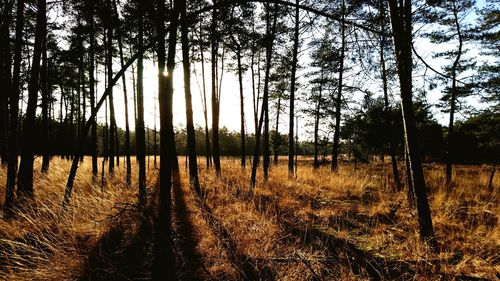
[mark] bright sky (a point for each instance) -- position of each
(230, 103)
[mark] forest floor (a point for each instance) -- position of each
(317, 226)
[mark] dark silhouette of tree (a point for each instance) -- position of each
(449, 16)
(401, 20)
(14, 108)
(293, 81)
(140, 136)
(25, 176)
(193, 164)
(338, 100)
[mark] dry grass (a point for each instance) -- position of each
(42, 242)
(229, 236)
(362, 209)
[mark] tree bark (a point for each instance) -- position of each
(392, 148)
(45, 113)
(453, 98)
(5, 77)
(265, 102)
(316, 126)
(277, 131)
(139, 125)
(93, 112)
(164, 261)
(402, 36)
(291, 145)
(25, 176)
(125, 99)
(191, 139)
(242, 111)
(215, 95)
(208, 153)
(14, 108)
(338, 100)
(109, 64)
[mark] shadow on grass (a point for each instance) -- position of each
(121, 255)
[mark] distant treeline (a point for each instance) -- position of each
(363, 138)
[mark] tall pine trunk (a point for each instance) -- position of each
(265, 102)
(140, 136)
(208, 153)
(277, 131)
(242, 111)
(93, 133)
(402, 35)
(291, 144)
(316, 127)
(45, 113)
(338, 100)
(191, 139)
(392, 147)
(14, 108)
(5, 77)
(164, 263)
(25, 176)
(215, 95)
(453, 98)
(125, 99)
(109, 65)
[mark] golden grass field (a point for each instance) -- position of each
(318, 226)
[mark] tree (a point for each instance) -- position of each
(215, 92)
(164, 263)
(193, 164)
(5, 75)
(383, 72)
(401, 21)
(487, 35)
(338, 100)
(14, 108)
(25, 176)
(140, 136)
(449, 15)
(240, 42)
(125, 98)
(291, 145)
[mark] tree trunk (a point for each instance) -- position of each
(409, 183)
(93, 133)
(191, 139)
(5, 77)
(25, 177)
(277, 131)
(242, 111)
(402, 36)
(45, 113)
(291, 145)
(215, 96)
(81, 75)
(164, 261)
(316, 128)
(338, 100)
(109, 63)
(392, 148)
(140, 137)
(90, 122)
(125, 99)
(14, 108)
(265, 102)
(208, 153)
(453, 98)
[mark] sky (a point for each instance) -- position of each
(230, 102)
